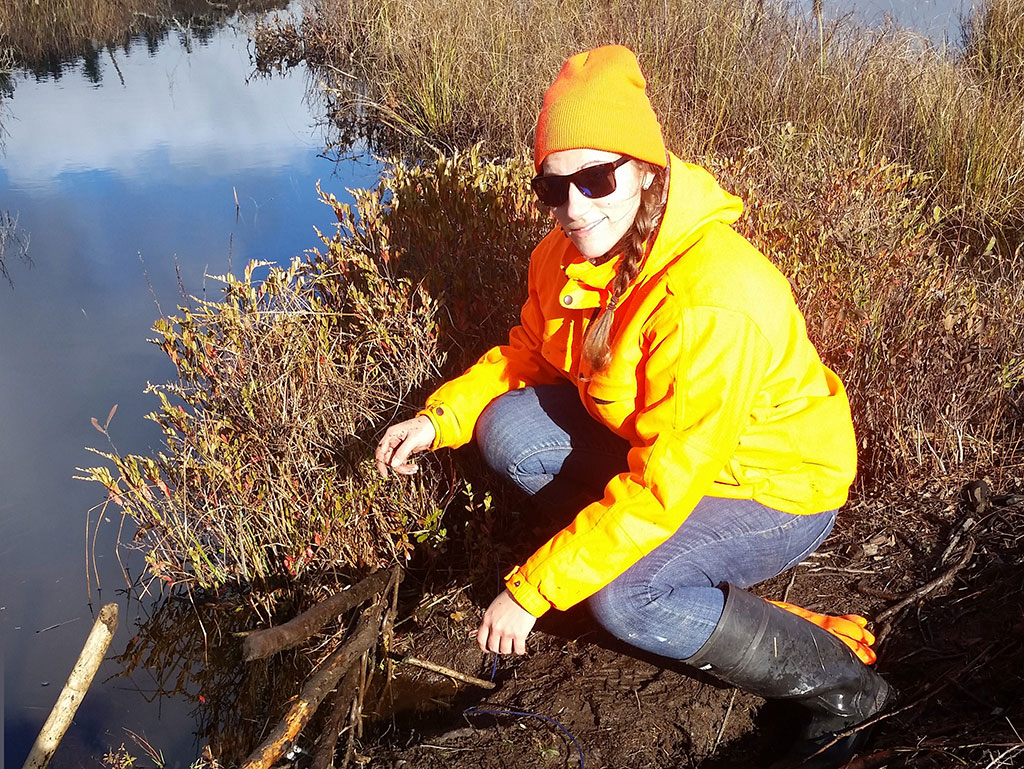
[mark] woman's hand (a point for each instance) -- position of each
(402, 441)
(505, 626)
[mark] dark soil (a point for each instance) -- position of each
(955, 656)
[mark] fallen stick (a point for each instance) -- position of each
(318, 686)
(432, 666)
(74, 690)
(936, 583)
(263, 643)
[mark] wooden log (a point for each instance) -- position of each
(341, 704)
(318, 686)
(74, 690)
(263, 643)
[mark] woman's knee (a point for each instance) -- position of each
(496, 434)
(630, 599)
(673, 623)
(520, 441)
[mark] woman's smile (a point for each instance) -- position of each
(595, 225)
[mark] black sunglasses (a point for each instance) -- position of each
(593, 181)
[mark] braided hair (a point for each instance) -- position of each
(597, 345)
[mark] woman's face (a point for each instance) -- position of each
(595, 225)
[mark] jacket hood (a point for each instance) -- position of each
(695, 199)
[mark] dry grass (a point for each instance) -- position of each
(994, 36)
(723, 76)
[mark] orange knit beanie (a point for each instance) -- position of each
(599, 101)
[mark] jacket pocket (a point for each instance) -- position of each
(610, 401)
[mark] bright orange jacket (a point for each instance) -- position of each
(713, 381)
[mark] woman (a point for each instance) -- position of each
(661, 383)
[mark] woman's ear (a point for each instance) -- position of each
(648, 181)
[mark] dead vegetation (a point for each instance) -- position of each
(13, 243)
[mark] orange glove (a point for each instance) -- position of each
(851, 629)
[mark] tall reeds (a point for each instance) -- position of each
(994, 41)
(723, 75)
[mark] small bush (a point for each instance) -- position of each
(269, 433)
(464, 227)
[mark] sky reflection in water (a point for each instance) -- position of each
(101, 176)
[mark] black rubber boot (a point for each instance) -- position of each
(773, 653)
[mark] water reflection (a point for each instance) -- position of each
(52, 38)
(124, 171)
(185, 650)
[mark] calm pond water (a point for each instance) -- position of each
(115, 181)
(121, 185)
(937, 20)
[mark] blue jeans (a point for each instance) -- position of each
(668, 602)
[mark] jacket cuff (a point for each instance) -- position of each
(446, 424)
(526, 595)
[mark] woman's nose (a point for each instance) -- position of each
(577, 201)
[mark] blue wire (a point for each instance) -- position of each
(474, 711)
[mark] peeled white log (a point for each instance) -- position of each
(74, 690)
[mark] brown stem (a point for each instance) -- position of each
(434, 667)
(922, 591)
(264, 643)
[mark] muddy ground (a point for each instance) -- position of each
(955, 654)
